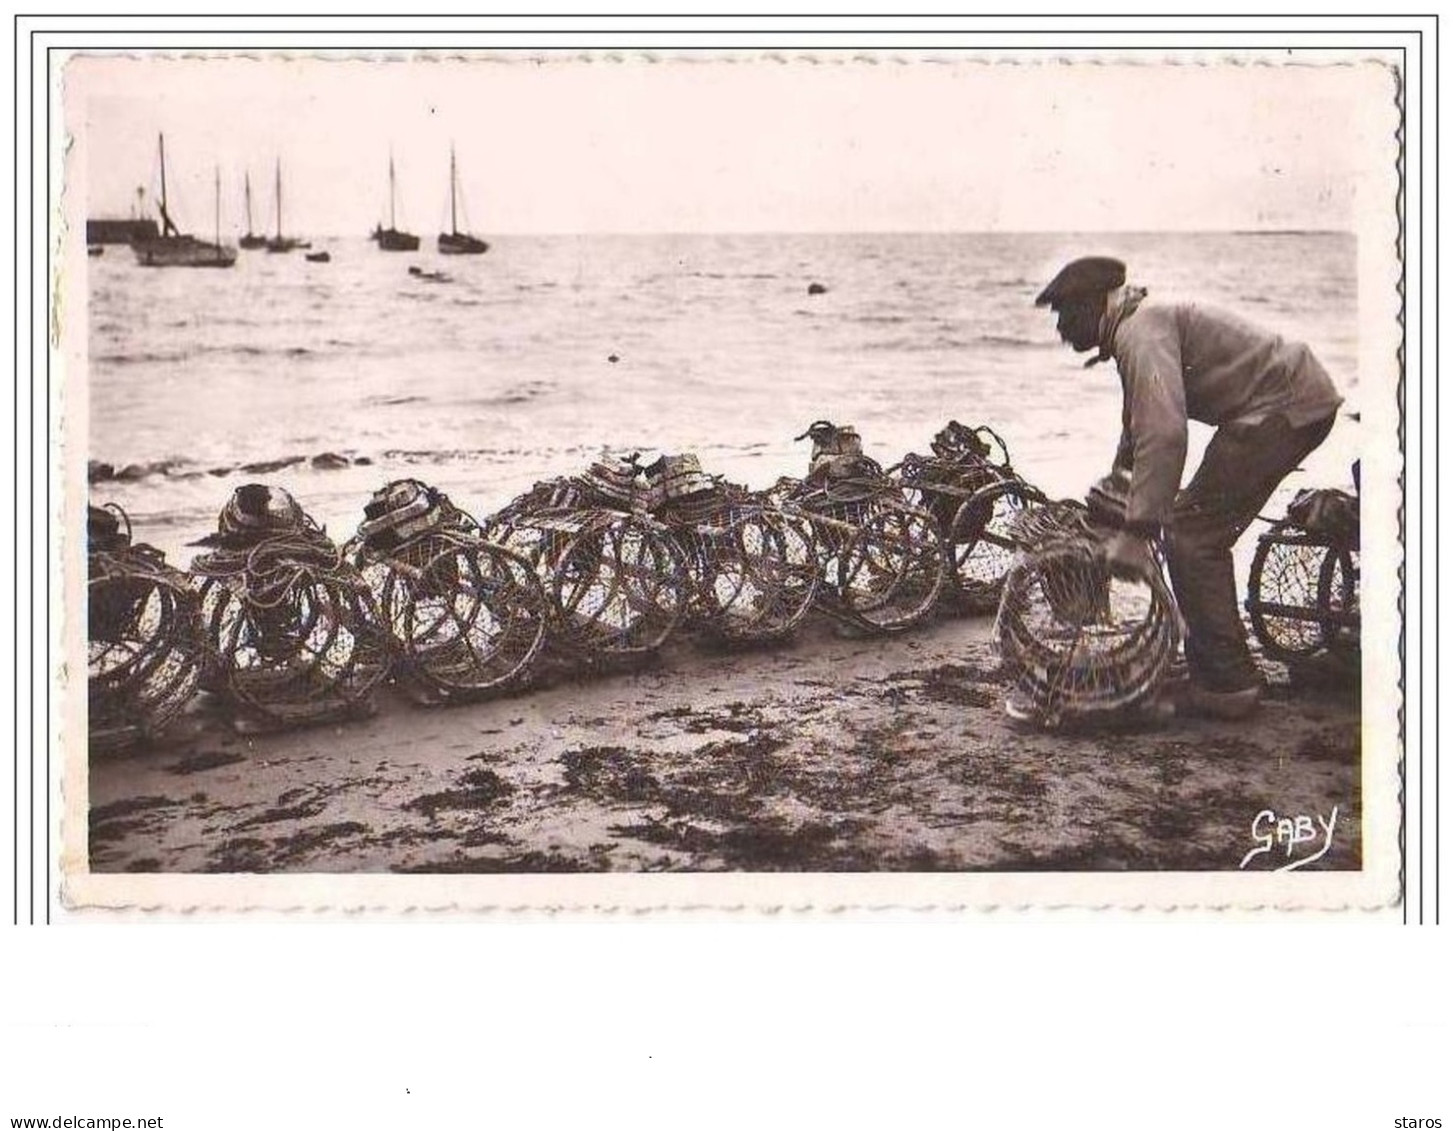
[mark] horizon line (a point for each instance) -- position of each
(701, 232)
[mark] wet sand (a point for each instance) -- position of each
(827, 754)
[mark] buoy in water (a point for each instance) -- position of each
(816, 289)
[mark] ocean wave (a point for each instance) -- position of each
(147, 357)
(515, 394)
(170, 357)
(1013, 341)
(260, 351)
(925, 344)
(720, 276)
(1016, 284)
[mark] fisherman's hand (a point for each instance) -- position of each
(1128, 555)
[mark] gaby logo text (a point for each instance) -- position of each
(1291, 837)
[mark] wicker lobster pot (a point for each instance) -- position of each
(1302, 596)
(292, 622)
(975, 496)
(466, 618)
(616, 577)
(1077, 642)
(145, 645)
(753, 569)
(882, 560)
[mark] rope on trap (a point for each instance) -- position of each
(975, 496)
(882, 559)
(291, 620)
(145, 646)
(753, 569)
(465, 617)
(616, 577)
(1075, 641)
(1303, 592)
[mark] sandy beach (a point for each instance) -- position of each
(828, 754)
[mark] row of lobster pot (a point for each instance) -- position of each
(294, 621)
(302, 631)
(290, 629)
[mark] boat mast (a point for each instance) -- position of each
(392, 226)
(217, 198)
(453, 182)
(279, 198)
(167, 227)
(247, 195)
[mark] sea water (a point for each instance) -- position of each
(528, 361)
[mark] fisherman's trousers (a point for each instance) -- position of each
(1243, 465)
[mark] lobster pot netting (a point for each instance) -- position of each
(983, 544)
(1076, 641)
(540, 524)
(1303, 595)
(882, 560)
(892, 569)
(942, 487)
(145, 649)
(753, 570)
(617, 582)
(620, 585)
(294, 627)
(975, 496)
(978, 518)
(465, 617)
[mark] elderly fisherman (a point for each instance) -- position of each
(1272, 404)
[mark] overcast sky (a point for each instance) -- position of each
(629, 145)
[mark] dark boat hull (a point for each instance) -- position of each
(458, 243)
(391, 239)
(182, 251)
(250, 242)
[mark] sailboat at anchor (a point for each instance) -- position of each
(251, 241)
(390, 238)
(455, 242)
(173, 248)
(281, 242)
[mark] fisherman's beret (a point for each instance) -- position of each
(1083, 278)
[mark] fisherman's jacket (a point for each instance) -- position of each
(1182, 361)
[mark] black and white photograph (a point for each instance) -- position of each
(721, 570)
(729, 473)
